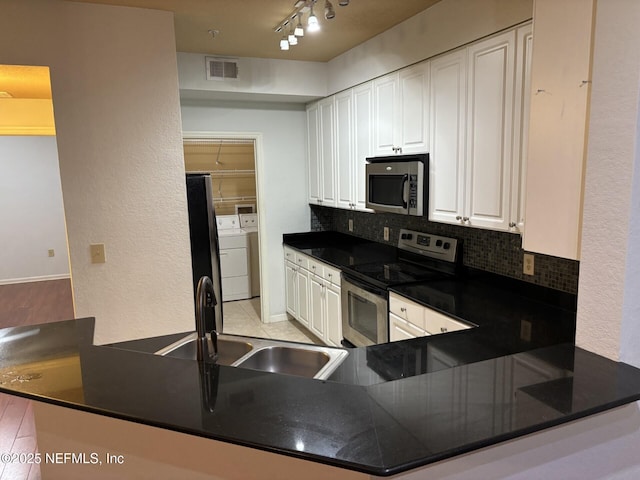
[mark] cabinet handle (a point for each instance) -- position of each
(512, 224)
(443, 329)
(403, 309)
(465, 219)
(313, 267)
(458, 217)
(319, 200)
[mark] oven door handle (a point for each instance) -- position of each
(365, 286)
(405, 191)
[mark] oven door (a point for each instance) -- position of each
(365, 311)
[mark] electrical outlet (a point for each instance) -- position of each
(528, 264)
(52, 252)
(525, 330)
(351, 224)
(97, 253)
(385, 233)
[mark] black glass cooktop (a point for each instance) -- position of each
(387, 274)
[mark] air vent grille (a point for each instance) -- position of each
(221, 68)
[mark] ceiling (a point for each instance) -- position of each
(246, 27)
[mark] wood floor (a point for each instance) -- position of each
(35, 302)
(27, 304)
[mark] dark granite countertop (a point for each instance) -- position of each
(511, 316)
(380, 429)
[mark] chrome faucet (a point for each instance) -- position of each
(205, 297)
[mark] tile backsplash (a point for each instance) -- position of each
(497, 252)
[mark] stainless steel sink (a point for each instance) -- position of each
(229, 351)
(306, 360)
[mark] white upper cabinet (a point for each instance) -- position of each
(313, 155)
(491, 69)
(401, 111)
(344, 149)
(327, 151)
(475, 157)
(522, 109)
(362, 141)
(448, 123)
(321, 153)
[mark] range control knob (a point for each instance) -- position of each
(446, 245)
(438, 243)
(406, 236)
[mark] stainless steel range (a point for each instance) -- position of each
(365, 297)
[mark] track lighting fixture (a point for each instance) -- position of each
(292, 27)
(312, 21)
(329, 13)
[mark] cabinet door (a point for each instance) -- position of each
(522, 109)
(385, 100)
(315, 168)
(333, 315)
(489, 131)
(401, 330)
(316, 307)
(344, 149)
(448, 123)
(290, 288)
(362, 141)
(413, 109)
(302, 291)
(327, 152)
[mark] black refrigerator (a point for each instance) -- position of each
(205, 253)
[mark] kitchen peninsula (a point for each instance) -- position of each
(228, 420)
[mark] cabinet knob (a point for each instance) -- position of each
(313, 267)
(443, 329)
(458, 217)
(465, 219)
(403, 309)
(512, 224)
(329, 275)
(319, 200)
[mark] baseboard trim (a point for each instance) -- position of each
(43, 278)
(280, 317)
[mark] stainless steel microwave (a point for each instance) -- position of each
(398, 183)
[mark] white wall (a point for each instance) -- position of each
(283, 201)
(31, 211)
(115, 96)
(444, 26)
(258, 78)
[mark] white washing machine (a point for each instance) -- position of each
(234, 258)
(249, 223)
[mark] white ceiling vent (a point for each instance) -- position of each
(221, 68)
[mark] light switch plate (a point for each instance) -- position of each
(385, 233)
(528, 264)
(351, 224)
(97, 253)
(52, 252)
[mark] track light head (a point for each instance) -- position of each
(329, 12)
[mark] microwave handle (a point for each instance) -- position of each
(405, 191)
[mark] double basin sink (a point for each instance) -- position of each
(312, 361)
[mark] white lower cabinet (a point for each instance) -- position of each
(313, 296)
(407, 319)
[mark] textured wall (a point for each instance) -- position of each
(610, 280)
(117, 113)
(496, 252)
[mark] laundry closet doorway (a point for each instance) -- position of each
(231, 162)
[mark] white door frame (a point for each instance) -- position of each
(265, 313)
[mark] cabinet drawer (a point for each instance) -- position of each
(302, 261)
(289, 254)
(331, 274)
(400, 329)
(407, 310)
(315, 267)
(436, 322)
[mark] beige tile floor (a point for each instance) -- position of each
(242, 317)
